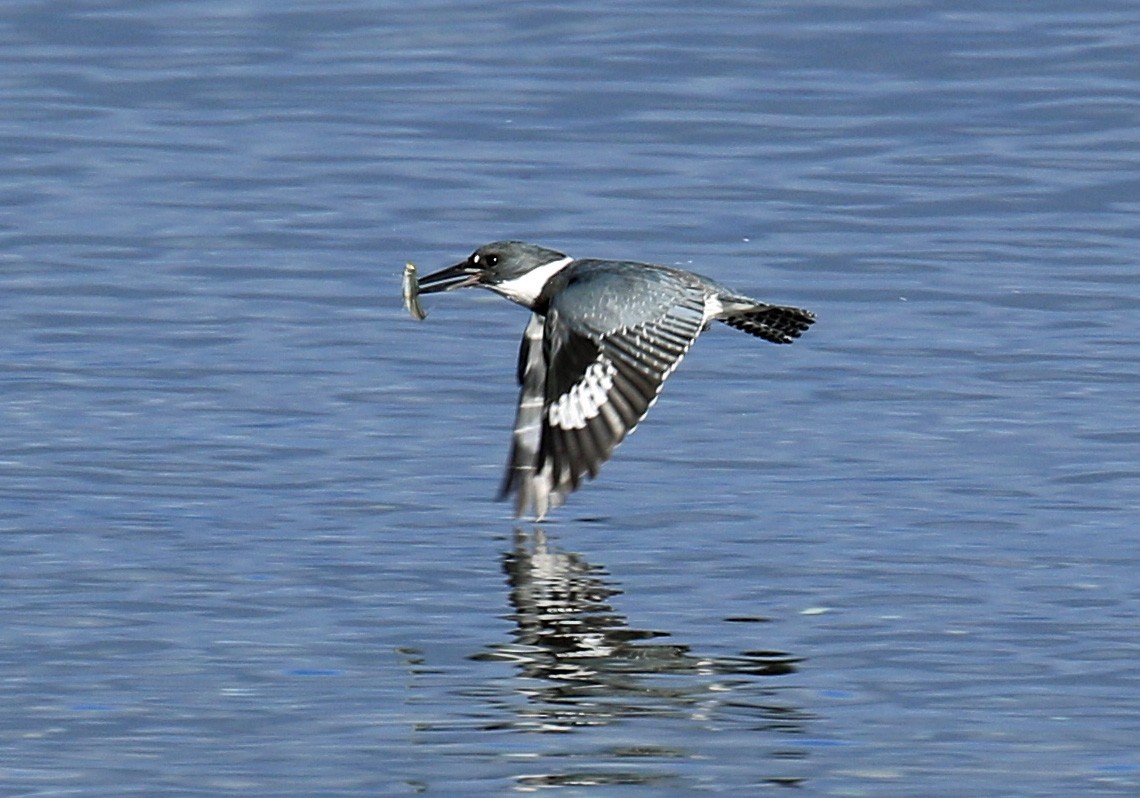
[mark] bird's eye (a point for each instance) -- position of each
(492, 260)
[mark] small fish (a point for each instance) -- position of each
(412, 292)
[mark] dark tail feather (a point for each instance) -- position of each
(775, 323)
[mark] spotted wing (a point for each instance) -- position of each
(531, 488)
(599, 386)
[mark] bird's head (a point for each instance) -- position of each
(504, 267)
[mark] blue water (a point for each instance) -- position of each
(247, 538)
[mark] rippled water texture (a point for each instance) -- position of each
(247, 537)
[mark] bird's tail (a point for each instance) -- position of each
(776, 323)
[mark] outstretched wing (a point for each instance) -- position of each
(596, 385)
(522, 477)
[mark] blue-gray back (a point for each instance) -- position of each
(603, 295)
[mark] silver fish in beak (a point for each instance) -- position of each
(412, 293)
(461, 275)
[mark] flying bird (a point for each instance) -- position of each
(602, 338)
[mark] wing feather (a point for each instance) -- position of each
(522, 478)
(596, 387)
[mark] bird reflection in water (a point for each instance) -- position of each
(586, 666)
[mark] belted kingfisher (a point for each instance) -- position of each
(603, 336)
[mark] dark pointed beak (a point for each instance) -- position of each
(460, 275)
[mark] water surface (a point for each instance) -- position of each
(249, 544)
